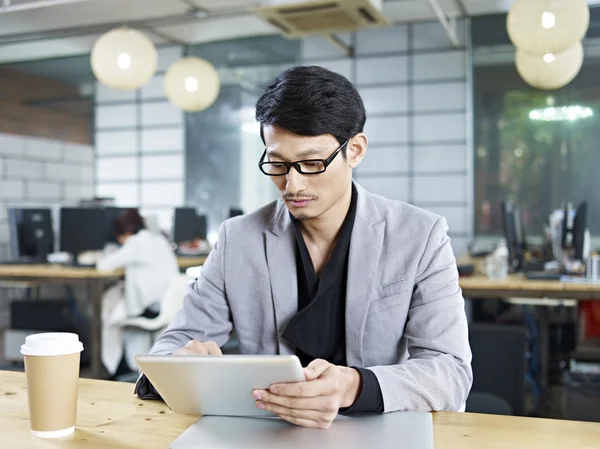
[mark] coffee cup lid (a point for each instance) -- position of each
(52, 343)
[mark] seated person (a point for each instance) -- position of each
(149, 264)
(362, 288)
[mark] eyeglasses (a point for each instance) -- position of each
(306, 167)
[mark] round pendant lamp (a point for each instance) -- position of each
(124, 59)
(547, 26)
(549, 71)
(192, 84)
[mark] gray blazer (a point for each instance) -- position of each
(405, 317)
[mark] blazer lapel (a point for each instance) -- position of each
(365, 249)
(281, 262)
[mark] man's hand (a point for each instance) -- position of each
(314, 403)
(195, 347)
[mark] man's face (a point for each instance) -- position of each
(307, 196)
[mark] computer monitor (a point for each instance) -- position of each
(514, 233)
(31, 233)
(185, 225)
(112, 214)
(234, 212)
(574, 227)
(82, 229)
(201, 227)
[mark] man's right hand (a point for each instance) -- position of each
(195, 347)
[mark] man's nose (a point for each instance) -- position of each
(296, 182)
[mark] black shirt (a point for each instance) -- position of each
(318, 330)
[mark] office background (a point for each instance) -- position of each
(448, 125)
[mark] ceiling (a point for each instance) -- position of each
(72, 26)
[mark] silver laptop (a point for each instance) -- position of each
(398, 430)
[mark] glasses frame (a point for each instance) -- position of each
(297, 164)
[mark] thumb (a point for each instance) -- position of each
(316, 368)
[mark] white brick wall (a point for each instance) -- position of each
(44, 149)
(12, 190)
(43, 190)
(3, 233)
(36, 172)
(20, 168)
(12, 144)
(65, 172)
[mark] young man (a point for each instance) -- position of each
(363, 289)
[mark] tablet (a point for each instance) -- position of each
(217, 385)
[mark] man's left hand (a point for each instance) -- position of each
(314, 403)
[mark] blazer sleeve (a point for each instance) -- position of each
(437, 374)
(205, 315)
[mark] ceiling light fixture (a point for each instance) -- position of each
(548, 20)
(558, 114)
(192, 84)
(124, 59)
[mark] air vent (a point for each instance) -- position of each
(297, 19)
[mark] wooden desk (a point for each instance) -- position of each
(95, 281)
(109, 416)
(479, 286)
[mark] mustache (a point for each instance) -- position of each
(290, 197)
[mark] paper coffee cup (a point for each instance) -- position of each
(52, 370)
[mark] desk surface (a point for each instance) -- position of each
(109, 416)
(49, 271)
(480, 286)
(515, 285)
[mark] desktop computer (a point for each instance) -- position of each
(201, 227)
(574, 227)
(31, 235)
(185, 225)
(234, 212)
(112, 214)
(514, 233)
(82, 229)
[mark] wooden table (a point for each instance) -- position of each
(95, 282)
(109, 416)
(479, 286)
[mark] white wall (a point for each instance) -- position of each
(36, 172)
(415, 87)
(140, 146)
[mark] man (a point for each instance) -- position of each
(363, 289)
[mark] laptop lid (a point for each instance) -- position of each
(389, 431)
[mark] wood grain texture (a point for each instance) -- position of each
(24, 272)
(515, 285)
(109, 416)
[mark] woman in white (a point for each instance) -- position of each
(149, 264)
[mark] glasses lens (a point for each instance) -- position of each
(312, 166)
(273, 168)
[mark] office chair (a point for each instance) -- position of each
(140, 333)
(499, 368)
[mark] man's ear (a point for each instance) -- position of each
(356, 150)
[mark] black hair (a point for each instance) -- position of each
(129, 222)
(312, 101)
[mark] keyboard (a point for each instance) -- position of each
(543, 275)
(23, 262)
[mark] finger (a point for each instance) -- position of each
(316, 368)
(310, 415)
(213, 348)
(195, 347)
(305, 422)
(323, 386)
(326, 404)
